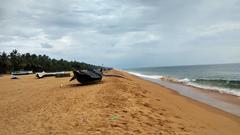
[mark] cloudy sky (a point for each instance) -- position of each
(124, 33)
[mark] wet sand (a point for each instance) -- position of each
(226, 102)
(127, 105)
(223, 96)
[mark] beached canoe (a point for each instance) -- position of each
(21, 72)
(87, 76)
(56, 74)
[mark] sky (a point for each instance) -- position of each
(124, 33)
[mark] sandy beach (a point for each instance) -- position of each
(128, 105)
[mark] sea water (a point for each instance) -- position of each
(224, 78)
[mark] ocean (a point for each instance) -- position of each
(224, 78)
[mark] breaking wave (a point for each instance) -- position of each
(223, 86)
(146, 76)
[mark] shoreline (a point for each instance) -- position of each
(129, 105)
(223, 101)
(199, 103)
(233, 99)
(184, 82)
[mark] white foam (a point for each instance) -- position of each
(191, 82)
(146, 76)
(187, 81)
(171, 79)
(221, 90)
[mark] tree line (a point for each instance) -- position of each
(14, 61)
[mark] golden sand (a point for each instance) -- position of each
(115, 106)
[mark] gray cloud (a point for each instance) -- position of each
(124, 33)
(46, 45)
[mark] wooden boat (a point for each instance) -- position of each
(87, 76)
(22, 72)
(56, 74)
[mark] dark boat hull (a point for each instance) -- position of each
(87, 77)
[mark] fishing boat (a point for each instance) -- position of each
(22, 72)
(87, 76)
(56, 74)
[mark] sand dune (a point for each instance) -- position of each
(127, 105)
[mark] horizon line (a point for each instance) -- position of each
(186, 65)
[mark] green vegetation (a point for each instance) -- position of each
(15, 61)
